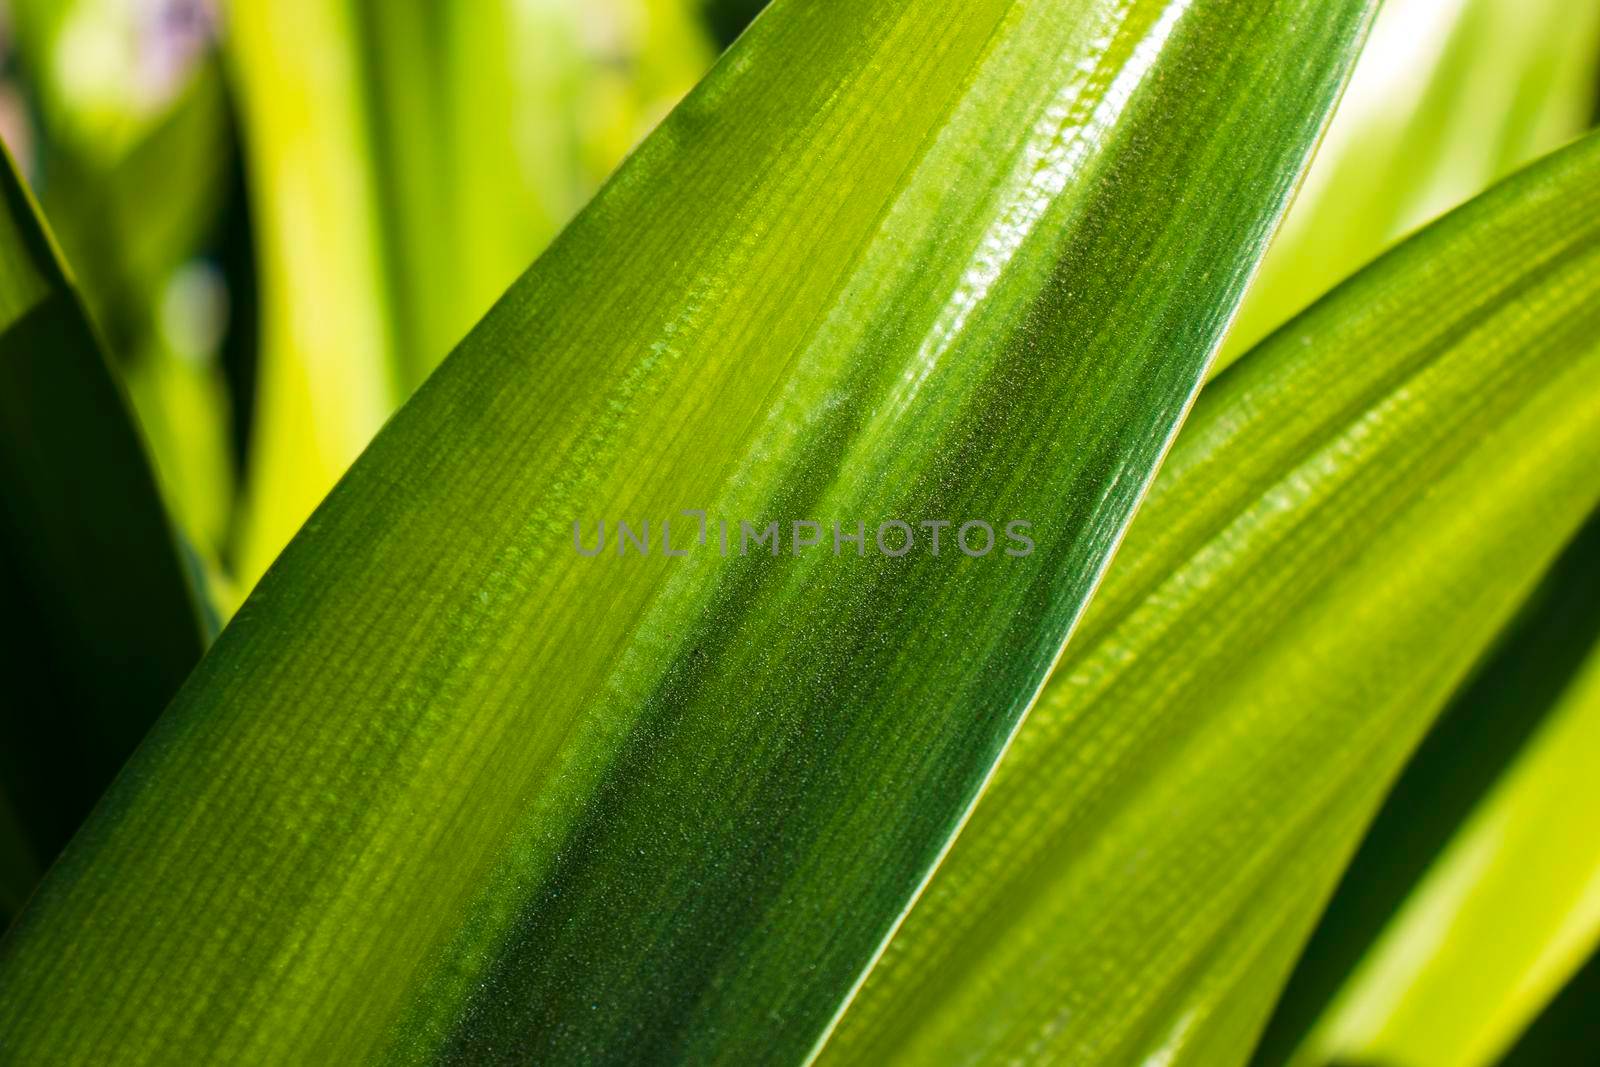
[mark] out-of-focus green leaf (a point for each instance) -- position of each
(1347, 519)
(728, 18)
(1507, 914)
(127, 225)
(1465, 754)
(327, 371)
(1568, 1030)
(104, 73)
(1448, 96)
(180, 394)
(132, 230)
(131, 158)
(101, 619)
(19, 867)
(448, 789)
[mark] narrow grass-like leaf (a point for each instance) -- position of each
(1346, 521)
(1482, 734)
(447, 788)
(328, 374)
(1504, 918)
(1448, 96)
(102, 620)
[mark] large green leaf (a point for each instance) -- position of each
(1482, 735)
(101, 617)
(447, 788)
(1448, 96)
(1347, 519)
(1505, 916)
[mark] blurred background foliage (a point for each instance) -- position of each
(282, 214)
(1448, 96)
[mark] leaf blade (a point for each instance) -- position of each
(494, 123)
(1450, 97)
(1303, 587)
(327, 366)
(105, 618)
(1478, 738)
(1450, 980)
(870, 348)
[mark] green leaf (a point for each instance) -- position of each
(1448, 96)
(410, 160)
(1568, 1029)
(127, 224)
(132, 230)
(130, 155)
(1346, 521)
(1505, 916)
(102, 620)
(495, 122)
(102, 73)
(327, 374)
(1470, 749)
(446, 788)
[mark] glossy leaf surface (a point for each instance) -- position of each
(1350, 515)
(447, 788)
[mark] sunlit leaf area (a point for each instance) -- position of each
(841, 532)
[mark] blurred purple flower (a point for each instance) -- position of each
(173, 36)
